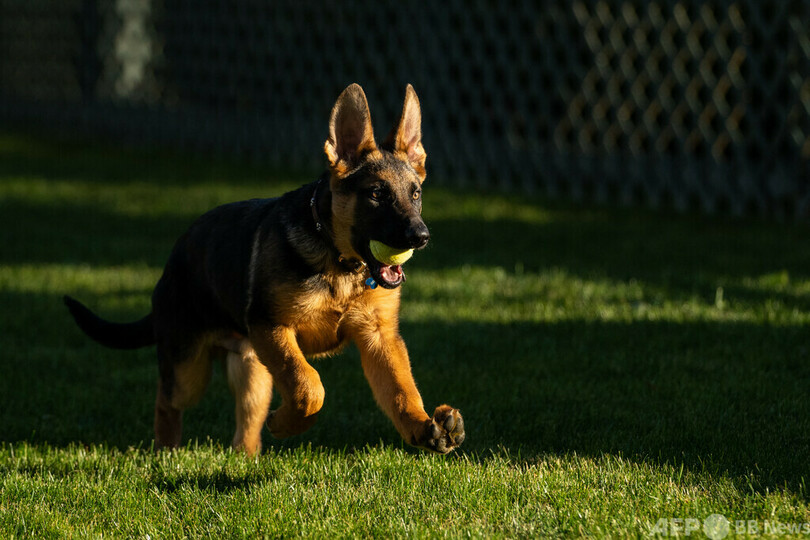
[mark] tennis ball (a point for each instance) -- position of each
(388, 255)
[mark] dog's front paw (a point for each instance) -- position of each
(442, 433)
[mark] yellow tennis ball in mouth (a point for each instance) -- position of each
(388, 255)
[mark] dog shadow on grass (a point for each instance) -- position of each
(219, 480)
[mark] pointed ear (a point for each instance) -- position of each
(350, 133)
(407, 136)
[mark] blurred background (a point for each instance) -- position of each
(685, 105)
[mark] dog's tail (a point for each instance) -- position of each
(114, 335)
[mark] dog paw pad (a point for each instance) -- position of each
(444, 432)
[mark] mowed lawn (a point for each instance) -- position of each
(615, 368)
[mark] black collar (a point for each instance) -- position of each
(353, 265)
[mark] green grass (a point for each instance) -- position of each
(614, 367)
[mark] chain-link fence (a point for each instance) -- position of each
(679, 104)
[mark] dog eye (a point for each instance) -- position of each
(417, 195)
(376, 194)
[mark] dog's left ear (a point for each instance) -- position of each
(350, 133)
(406, 138)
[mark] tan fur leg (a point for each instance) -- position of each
(251, 385)
(388, 371)
(190, 378)
(168, 422)
(299, 384)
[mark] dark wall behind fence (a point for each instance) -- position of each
(669, 104)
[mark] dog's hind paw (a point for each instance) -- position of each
(442, 433)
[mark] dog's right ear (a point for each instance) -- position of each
(350, 133)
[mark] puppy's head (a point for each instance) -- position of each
(376, 190)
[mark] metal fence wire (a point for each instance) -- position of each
(670, 104)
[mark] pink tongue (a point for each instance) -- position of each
(391, 274)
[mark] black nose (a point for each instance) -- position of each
(418, 235)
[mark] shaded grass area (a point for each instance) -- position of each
(614, 367)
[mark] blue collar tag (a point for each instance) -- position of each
(370, 283)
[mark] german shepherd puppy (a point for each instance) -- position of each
(267, 282)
